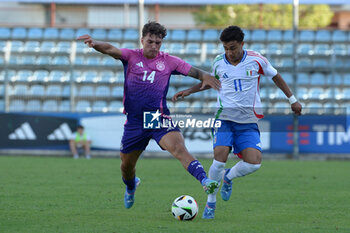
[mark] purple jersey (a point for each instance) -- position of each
(147, 81)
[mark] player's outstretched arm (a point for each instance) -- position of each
(188, 92)
(101, 46)
(207, 79)
(295, 105)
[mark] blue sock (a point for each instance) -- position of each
(196, 170)
(130, 184)
(211, 205)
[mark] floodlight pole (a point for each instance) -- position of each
(295, 71)
(141, 22)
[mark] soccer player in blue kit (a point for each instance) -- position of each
(239, 109)
(147, 72)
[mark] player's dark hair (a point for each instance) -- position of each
(80, 127)
(232, 33)
(154, 28)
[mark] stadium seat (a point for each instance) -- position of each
(47, 47)
(115, 106)
(5, 33)
(322, 49)
(336, 79)
(211, 48)
(287, 49)
(306, 35)
(79, 60)
(63, 47)
(277, 94)
(17, 46)
(11, 75)
(318, 79)
(286, 62)
(54, 90)
(82, 31)
(107, 77)
(67, 34)
(109, 61)
(58, 76)
(43, 60)
(274, 49)
(50, 106)
(305, 49)
(258, 35)
(247, 35)
(17, 106)
(288, 36)
(118, 91)
(339, 36)
(178, 35)
(171, 92)
(274, 35)
(210, 35)
(303, 79)
(196, 107)
(60, 61)
(182, 107)
(258, 47)
(99, 106)
(31, 46)
(321, 63)
(99, 34)
(346, 93)
(131, 34)
(19, 33)
(129, 45)
(194, 35)
(3, 45)
(51, 34)
(35, 33)
(346, 79)
(192, 48)
(316, 93)
(33, 106)
(304, 63)
(115, 34)
(302, 93)
(281, 107)
(64, 106)
(28, 60)
(288, 77)
(102, 91)
(93, 61)
(66, 91)
(24, 75)
(19, 90)
(83, 106)
(323, 36)
(339, 49)
(15, 60)
(82, 48)
(90, 77)
(314, 108)
(86, 91)
(37, 90)
(177, 48)
(263, 93)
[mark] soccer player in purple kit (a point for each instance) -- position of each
(147, 72)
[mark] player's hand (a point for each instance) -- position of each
(296, 108)
(210, 81)
(181, 94)
(87, 40)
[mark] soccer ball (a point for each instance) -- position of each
(184, 208)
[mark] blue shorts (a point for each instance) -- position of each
(135, 137)
(236, 135)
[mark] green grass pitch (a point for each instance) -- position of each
(41, 194)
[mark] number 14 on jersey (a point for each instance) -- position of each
(150, 77)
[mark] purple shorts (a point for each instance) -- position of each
(135, 137)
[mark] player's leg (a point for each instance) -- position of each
(174, 143)
(216, 172)
(73, 149)
(127, 167)
(86, 146)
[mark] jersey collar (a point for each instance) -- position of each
(243, 58)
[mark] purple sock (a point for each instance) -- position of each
(196, 170)
(130, 184)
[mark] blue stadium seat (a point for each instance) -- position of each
(258, 35)
(54, 90)
(305, 49)
(274, 35)
(258, 47)
(281, 107)
(178, 35)
(15, 60)
(82, 31)
(67, 34)
(50, 106)
(194, 35)
(3, 45)
(28, 60)
(19, 33)
(99, 106)
(51, 34)
(5, 33)
(102, 91)
(17, 46)
(306, 35)
(33, 106)
(211, 48)
(17, 106)
(118, 91)
(37, 90)
(210, 35)
(99, 34)
(177, 48)
(35, 33)
(318, 79)
(277, 94)
(287, 49)
(79, 60)
(93, 61)
(20, 89)
(58, 76)
(90, 77)
(247, 35)
(286, 62)
(346, 93)
(47, 47)
(316, 93)
(323, 36)
(131, 34)
(43, 60)
(321, 63)
(86, 91)
(63, 47)
(274, 48)
(115, 34)
(339, 49)
(302, 93)
(109, 61)
(337, 79)
(304, 63)
(64, 106)
(182, 106)
(303, 79)
(31, 46)
(168, 35)
(107, 77)
(288, 36)
(171, 91)
(322, 49)
(66, 91)
(192, 48)
(24, 75)
(60, 61)
(314, 108)
(129, 45)
(82, 48)
(339, 36)
(115, 106)
(288, 77)
(83, 106)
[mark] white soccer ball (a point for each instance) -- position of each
(184, 208)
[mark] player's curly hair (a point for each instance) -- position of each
(232, 33)
(154, 28)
